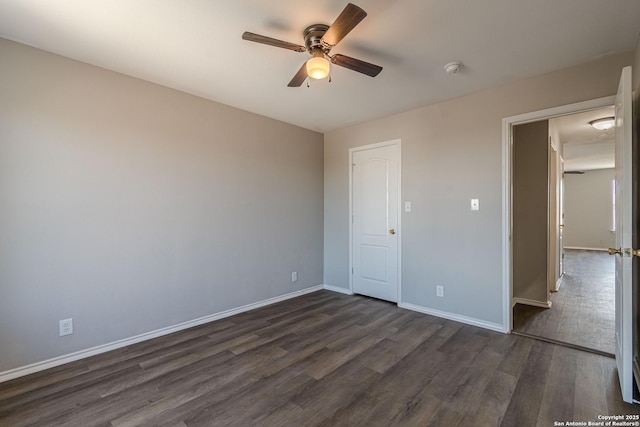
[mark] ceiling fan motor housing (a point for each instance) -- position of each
(313, 38)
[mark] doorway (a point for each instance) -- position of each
(553, 114)
(580, 288)
(375, 220)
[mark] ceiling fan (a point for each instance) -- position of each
(319, 39)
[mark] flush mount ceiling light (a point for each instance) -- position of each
(453, 67)
(604, 123)
(318, 67)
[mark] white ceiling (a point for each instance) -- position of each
(195, 46)
(585, 148)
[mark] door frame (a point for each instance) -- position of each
(398, 143)
(507, 184)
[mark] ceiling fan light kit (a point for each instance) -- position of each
(319, 40)
(318, 67)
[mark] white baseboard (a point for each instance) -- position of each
(61, 360)
(337, 289)
(578, 248)
(456, 317)
(534, 303)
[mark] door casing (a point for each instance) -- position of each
(398, 143)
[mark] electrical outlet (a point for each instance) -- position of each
(440, 291)
(66, 327)
(294, 276)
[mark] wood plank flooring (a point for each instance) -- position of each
(322, 359)
(583, 310)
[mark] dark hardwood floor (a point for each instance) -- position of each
(319, 360)
(583, 310)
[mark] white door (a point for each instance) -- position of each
(624, 218)
(554, 219)
(561, 215)
(375, 198)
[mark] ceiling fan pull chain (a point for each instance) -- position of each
(308, 85)
(329, 78)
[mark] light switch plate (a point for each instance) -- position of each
(475, 204)
(407, 206)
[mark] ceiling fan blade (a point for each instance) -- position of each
(356, 65)
(300, 76)
(252, 37)
(345, 22)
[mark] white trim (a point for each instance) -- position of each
(337, 289)
(455, 317)
(507, 125)
(398, 143)
(531, 302)
(586, 249)
(559, 282)
(61, 360)
(350, 219)
(507, 309)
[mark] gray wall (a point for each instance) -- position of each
(451, 152)
(132, 207)
(587, 209)
(530, 210)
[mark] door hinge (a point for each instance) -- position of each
(351, 270)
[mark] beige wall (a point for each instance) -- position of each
(451, 152)
(530, 211)
(131, 207)
(588, 212)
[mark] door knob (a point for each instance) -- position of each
(392, 231)
(626, 251)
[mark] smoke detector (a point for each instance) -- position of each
(453, 67)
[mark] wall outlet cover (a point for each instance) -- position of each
(66, 327)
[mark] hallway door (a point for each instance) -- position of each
(561, 216)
